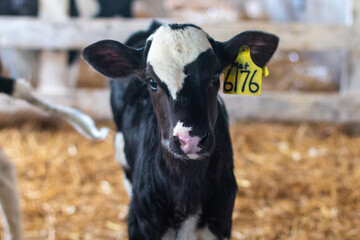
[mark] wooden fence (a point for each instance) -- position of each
(54, 37)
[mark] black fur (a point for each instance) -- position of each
(176, 26)
(7, 85)
(138, 39)
(108, 8)
(19, 8)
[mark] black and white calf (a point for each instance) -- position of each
(173, 136)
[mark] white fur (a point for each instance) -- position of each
(171, 50)
(119, 145)
(128, 186)
(170, 234)
(22, 89)
(188, 229)
(181, 129)
(206, 234)
(193, 156)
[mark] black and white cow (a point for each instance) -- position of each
(24, 63)
(82, 123)
(9, 194)
(173, 136)
(103, 8)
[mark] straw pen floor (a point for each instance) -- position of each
(296, 181)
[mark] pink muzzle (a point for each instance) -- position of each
(188, 144)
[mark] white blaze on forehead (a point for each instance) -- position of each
(171, 50)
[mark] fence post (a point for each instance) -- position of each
(352, 84)
(53, 64)
(156, 8)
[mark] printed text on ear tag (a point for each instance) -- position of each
(243, 76)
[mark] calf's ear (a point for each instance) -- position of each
(262, 46)
(113, 59)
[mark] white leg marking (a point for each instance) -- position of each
(206, 234)
(119, 145)
(169, 235)
(128, 186)
(188, 229)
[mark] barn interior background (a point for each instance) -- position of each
(297, 147)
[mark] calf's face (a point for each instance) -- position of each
(181, 65)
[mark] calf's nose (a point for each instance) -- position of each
(188, 144)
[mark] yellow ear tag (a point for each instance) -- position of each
(243, 76)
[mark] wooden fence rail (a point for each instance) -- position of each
(77, 33)
(31, 33)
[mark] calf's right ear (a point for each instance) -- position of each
(113, 59)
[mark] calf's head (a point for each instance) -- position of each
(181, 65)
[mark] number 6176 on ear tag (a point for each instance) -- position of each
(243, 76)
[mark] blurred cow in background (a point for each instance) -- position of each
(9, 194)
(25, 64)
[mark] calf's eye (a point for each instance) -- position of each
(216, 79)
(153, 84)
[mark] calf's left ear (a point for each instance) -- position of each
(113, 59)
(262, 46)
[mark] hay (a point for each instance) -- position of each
(296, 181)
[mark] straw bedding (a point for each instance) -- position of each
(296, 181)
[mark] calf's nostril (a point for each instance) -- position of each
(180, 140)
(204, 138)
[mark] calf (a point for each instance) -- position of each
(173, 136)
